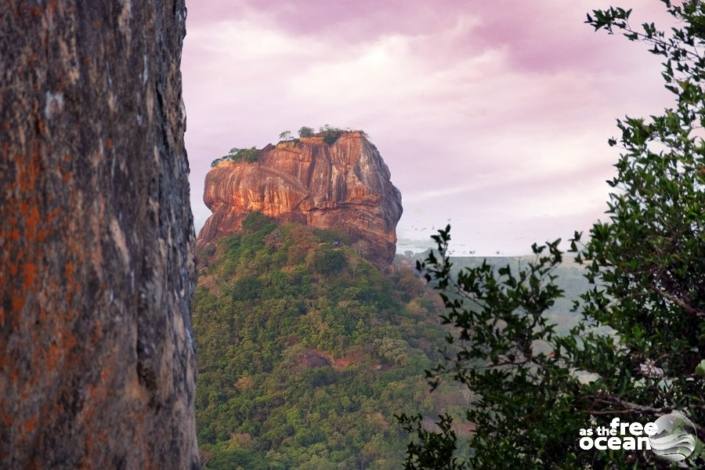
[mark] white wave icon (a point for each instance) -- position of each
(675, 437)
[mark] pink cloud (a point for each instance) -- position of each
(508, 96)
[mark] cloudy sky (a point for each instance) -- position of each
(493, 115)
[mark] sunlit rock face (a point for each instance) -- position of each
(96, 237)
(344, 186)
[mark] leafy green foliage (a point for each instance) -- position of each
(431, 449)
(250, 155)
(306, 352)
(499, 323)
(646, 269)
(329, 261)
(306, 132)
(330, 134)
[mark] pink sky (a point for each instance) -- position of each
(491, 114)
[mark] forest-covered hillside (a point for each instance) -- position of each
(307, 351)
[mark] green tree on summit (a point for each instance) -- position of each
(306, 132)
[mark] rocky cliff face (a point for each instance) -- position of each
(96, 265)
(343, 186)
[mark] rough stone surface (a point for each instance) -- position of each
(96, 237)
(343, 186)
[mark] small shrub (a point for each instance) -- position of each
(217, 161)
(330, 134)
(258, 222)
(247, 288)
(250, 155)
(329, 261)
(306, 132)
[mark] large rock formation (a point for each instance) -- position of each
(96, 265)
(343, 186)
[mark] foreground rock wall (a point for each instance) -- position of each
(343, 186)
(96, 265)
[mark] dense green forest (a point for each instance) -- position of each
(307, 351)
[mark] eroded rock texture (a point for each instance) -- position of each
(96, 265)
(343, 186)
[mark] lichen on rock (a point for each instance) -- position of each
(96, 238)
